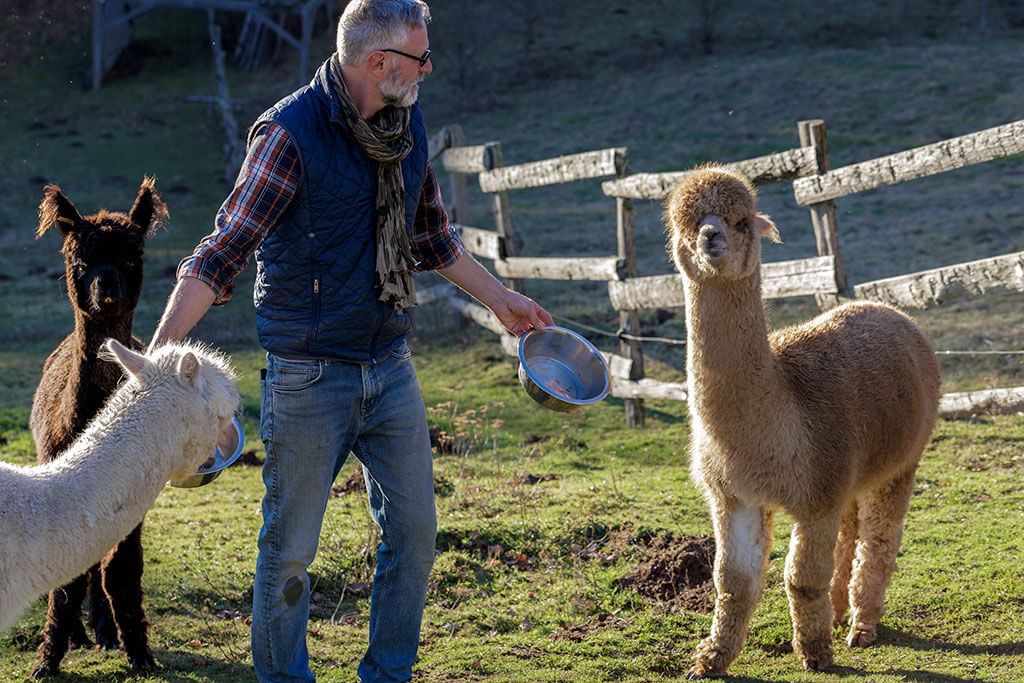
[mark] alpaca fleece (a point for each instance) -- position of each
(59, 518)
(826, 420)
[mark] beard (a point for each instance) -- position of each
(397, 93)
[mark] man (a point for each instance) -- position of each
(338, 201)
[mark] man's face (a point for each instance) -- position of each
(400, 87)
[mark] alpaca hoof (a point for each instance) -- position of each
(108, 643)
(708, 661)
(142, 661)
(82, 641)
(106, 636)
(861, 637)
(816, 657)
(44, 671)
(819, 664)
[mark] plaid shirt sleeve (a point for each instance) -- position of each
(434, 241)
(265, 186)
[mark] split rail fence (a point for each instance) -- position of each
(815, 186)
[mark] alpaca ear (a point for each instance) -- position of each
(131, 361)
(188, 370)
(765, 228)
(56, 208)
(149, 211)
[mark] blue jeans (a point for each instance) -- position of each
(313, 414)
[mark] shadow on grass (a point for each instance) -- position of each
(904, 639)
(175, 666)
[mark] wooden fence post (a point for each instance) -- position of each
(459, 208)
(513, 245)
(823, 214)
(629, 321)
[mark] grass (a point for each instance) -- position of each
(540, 513)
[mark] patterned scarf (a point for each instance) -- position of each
(387, 140)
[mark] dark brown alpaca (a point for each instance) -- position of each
(103, 260)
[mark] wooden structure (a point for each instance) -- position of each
(815, 186)
(111, 24)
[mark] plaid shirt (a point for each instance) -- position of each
(266, 184)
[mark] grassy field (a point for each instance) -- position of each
(555, 529)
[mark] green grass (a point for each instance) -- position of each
(514, 514)
(541, 512)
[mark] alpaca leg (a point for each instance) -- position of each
(100, 617)
(742, 543)
(122, 582)
(63, 616)
(881, 532)
(808, 577)
(846, 545)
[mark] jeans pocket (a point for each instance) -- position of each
(401, 352)
(293, 375)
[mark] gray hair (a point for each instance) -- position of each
(369, 25)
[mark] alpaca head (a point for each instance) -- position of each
(197, 390)
(103, 252)
(714, 227)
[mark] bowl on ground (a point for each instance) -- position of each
(224, 455)
(561, 370)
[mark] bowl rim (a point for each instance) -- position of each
(226, 462)
(586, 343)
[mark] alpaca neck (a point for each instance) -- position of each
(92, 380)
(728, 355)
(91, 332)
(102, 486)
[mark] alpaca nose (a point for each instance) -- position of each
(712, 236)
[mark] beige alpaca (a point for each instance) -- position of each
(825, 420)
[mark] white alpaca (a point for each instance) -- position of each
(60, 518)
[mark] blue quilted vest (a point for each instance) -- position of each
(316, 288)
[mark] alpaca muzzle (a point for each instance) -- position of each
(106, 289)
(712, 238)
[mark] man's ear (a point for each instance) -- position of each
(376, 64)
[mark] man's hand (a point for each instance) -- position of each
(520, 313)
(516, 312)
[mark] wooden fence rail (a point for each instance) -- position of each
(814, 186)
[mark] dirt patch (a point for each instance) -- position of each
(531, 479)
(676, 573)
(579, 632)
(250, 458)
(354, 482)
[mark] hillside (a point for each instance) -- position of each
(676, 83)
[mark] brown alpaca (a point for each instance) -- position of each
(825, 420)
(103, 255)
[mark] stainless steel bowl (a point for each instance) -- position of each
(560, 369)
(224, 455)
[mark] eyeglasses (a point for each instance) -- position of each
(422, 59)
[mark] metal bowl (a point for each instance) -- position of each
(224, 455)
(560, 369)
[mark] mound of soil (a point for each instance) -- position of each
(676, 573)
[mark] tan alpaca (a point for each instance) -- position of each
(825, 420)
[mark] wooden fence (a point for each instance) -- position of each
(815, 186)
